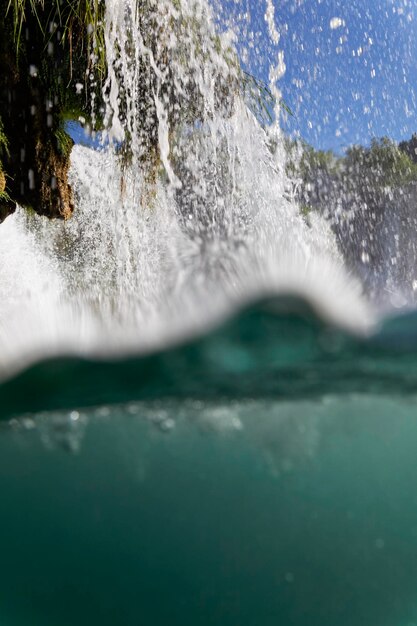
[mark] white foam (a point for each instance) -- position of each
(132, 271)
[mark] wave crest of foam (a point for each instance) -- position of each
(140, 265)
(119, 278)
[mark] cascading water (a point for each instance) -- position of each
(186, 213)
(182, 441)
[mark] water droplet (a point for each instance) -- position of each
(336, 22)
(31, 177)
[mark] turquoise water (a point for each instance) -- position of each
(275, 349)
(264, 474)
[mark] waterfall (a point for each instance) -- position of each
(185, 212)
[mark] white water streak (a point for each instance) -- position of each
(270, 20)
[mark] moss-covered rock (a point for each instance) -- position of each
(44, 52)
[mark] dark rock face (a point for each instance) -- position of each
(37, 75)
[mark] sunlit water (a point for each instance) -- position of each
(136, 266)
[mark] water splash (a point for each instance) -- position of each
(185, 215)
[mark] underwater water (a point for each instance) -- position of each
(263, 473)
(249, 511)
(207, 394)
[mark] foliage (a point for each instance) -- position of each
(360, 178)
(259, 98)
(77, 26)
(410, 147)
(4, 151)
(4, 144)
(64, 47)
(382, 163)
(81, 17)
(4, 196)
(64, 142)
(82, 45)
(306, 163)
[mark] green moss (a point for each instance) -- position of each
(64, 142)
(4, 144)
(4, 197)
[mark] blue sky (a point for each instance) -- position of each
(345, 84)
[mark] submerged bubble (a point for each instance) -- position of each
(166, 425)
